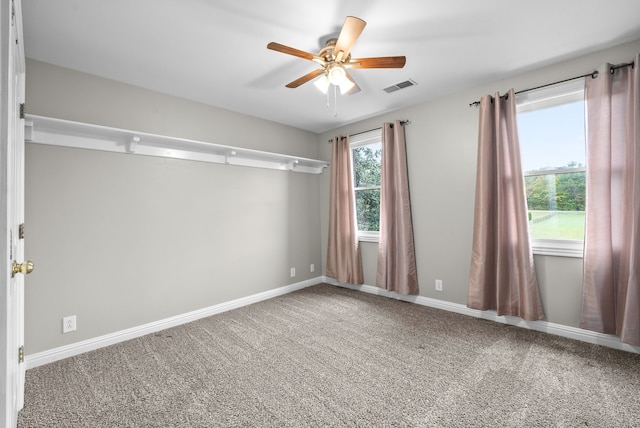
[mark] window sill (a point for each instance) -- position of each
(368, 236)
(558, 247)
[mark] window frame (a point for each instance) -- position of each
(551, 96)
(360, 140)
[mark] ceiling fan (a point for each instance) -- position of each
(335, 59)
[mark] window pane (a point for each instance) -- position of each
(366, 165)
(556, 225)
(368, 210)
(553, 137)
(556, 205)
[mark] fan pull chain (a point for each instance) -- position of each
(335, 101)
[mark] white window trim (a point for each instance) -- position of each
(369, 236)
(550, 96)
(558, 247)
(363, 139)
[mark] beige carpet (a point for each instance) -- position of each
(328, 356)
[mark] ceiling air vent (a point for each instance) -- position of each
(399, 86)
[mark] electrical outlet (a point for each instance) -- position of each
(293, 272)
(68, 324)
(438, 285)
(312, 268)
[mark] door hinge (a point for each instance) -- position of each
(21, 354)
(21, 231)
(22, 111)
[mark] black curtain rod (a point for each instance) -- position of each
(593, 74)
(402, 122)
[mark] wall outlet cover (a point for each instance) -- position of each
(68, 324)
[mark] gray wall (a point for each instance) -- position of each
(441, 150)
(121, 240)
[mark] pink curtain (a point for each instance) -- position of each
(502, 276)
(396, 254)
(611, 288)
(343, 253)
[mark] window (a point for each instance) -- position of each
(551, 127)
(366, 152)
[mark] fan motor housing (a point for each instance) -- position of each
(327, 52)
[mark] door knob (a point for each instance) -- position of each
(24, 268)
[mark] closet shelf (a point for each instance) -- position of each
(59, 132)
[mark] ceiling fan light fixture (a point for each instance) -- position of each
(337, 75)
(322, 83)
(335, 58)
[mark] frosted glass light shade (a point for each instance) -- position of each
(322, 83)
(337, 75)
(346, 86)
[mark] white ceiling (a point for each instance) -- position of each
(214, 51)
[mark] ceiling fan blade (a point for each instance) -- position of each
(355, 88)
(348, 35)
(293, 51)
(379, 62)
(305, 78)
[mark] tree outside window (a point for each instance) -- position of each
(366, 173)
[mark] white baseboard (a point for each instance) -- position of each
(49, 356)
(607, 340)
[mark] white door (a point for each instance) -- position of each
(12, 212)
